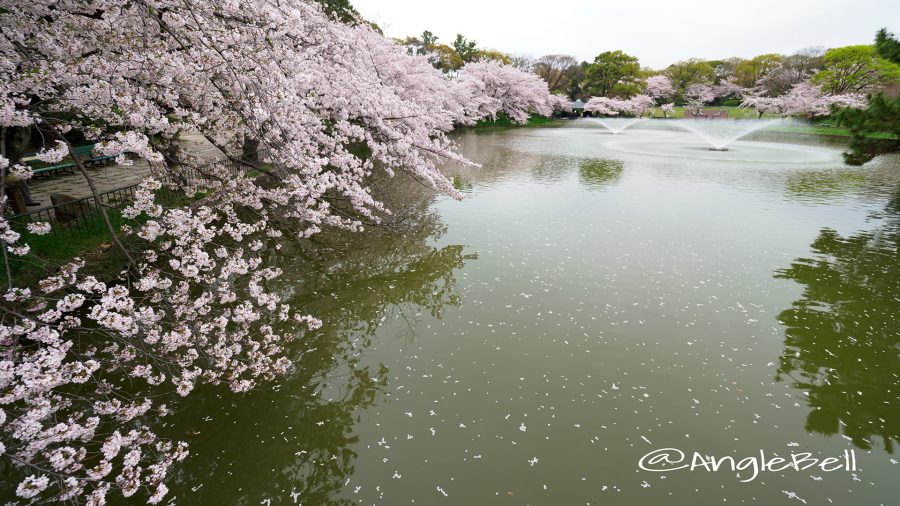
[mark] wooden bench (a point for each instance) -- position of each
(84, 154)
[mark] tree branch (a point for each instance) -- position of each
(96, 195)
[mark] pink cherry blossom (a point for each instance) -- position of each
(490, 87)
(659, 87)
(197, 301)
(636, 105)
(804, 99)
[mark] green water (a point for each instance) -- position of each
(580, 308)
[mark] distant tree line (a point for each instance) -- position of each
(859, 84)
(451, 57)
(616, 74)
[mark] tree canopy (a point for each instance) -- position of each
(559, 70)
(748, 73)
(855, 69)
(882, 116)
(342, 10)
(447, 58)
(687, 73)
(613, 74)
(887, 45)
(868, 126)
(465, 48)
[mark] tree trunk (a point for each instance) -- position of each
(250, 151)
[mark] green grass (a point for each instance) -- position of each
(733, 112)
(504, 121)
(88, 239)
(828, 131)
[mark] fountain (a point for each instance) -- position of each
(719, 134)
(616, 125)
(724, 141)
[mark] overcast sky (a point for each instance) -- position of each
(658, 32)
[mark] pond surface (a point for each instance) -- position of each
(586, 304)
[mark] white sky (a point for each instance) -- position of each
(658, 32)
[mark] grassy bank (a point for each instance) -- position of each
(89, 239)
(733, 112)
(503, 121)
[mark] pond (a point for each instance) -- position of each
(588, 303)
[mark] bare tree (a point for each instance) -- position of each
(795, 69)
(525, 63)
(558, 70)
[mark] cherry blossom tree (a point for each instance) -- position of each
(667, 109)
(794, 69)
(763, 105)
(640, 104)
(560, 103)
(847, 100)
(85, 363)
(728, 88)
(604, 106)
(807, 99)
(637, 105)
(659, 87)
(698, 95)
(804, 99)
(490, 87)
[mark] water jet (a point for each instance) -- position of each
(720, 133)
(616, 125)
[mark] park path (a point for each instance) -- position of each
(110, 177)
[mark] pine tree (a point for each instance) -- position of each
(882, 116)
(887, 45)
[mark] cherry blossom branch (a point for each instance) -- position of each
(3, 199)
(93, 187)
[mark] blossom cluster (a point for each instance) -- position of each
(659, 87)
(490, 87)
(84, 362)
(804, 99)
(606, 106)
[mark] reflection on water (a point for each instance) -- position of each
(822, 185)
(596, 174)
(295, 443)
(619, 303)
(461, 184)
(843, 337)
(548, 169)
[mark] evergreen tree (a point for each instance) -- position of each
(465, 48)
(882, 116)
(887, 45)
(341, 9)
